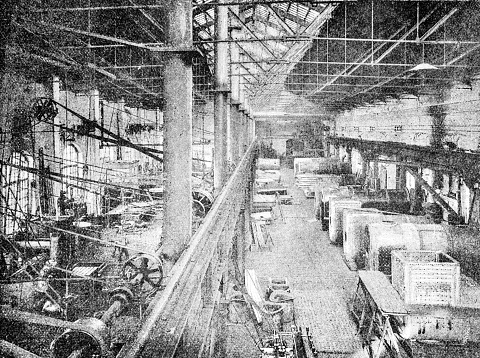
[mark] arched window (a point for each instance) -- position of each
(18, 194)
(72, 172)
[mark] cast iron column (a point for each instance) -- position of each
(177, 143)
(221, 84)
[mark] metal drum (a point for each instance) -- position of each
(337, 206)
(92, 340)
(355, 241)
(323, 197)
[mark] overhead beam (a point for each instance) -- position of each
(352, 68)
(404, 37)
(438, 24)
(431, 191)
(291, 17)
(298, 50)
(255, 61)
(280, 20)
(243, 25)
(95, 35)
(306, 38)
(149, 17)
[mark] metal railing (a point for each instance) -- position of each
(180, 317)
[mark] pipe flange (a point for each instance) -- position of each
(122, 294)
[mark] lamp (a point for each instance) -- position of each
(423, 66)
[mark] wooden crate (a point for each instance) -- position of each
(388, 236)
(426, 277)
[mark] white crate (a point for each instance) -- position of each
(426, 277)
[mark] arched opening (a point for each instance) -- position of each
(72, 172)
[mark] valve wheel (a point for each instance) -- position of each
(143, 269)
(198, 209)
(45, 110)
(202, 202)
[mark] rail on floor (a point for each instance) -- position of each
(181, 319)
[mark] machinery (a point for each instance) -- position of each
(140, 276)
(293, 344)
(405, 330)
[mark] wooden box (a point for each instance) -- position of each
(385, 237)
(426, 277)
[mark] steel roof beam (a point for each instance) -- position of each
(343, 39)
(338, 63)
(148, 17)
(404, 37)
(353, 68)
(298, 50)
(438, 24)
(280, 20)
(256, 62)
(252, 33)
(409, 74)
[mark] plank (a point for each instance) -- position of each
(382, 292)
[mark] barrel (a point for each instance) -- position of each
(387, 236)
(275, 312)
(286, 299)
(337, 206)
(355, 243)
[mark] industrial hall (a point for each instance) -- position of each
(239, 179)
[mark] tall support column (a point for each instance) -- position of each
(229, 128)
(235, 33)
(401, 175)
(177, 142)
(241, 119)
(234, 131)
(253, 129)
(375, 175)
(57, 143)
(220, 111)
(244, 131)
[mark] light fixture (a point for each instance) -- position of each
(423, 66)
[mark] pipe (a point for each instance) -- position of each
(10, 349)
(113, 311)
(12, 314)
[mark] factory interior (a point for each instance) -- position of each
(240, 178)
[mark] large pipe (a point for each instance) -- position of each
(12, 350)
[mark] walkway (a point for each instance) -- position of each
(320, 281)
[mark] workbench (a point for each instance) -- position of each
(375, 307)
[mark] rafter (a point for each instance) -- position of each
(243, 25)
(280, 20)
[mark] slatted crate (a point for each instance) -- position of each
(426, 277)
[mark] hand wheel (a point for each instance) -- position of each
(143, 269)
